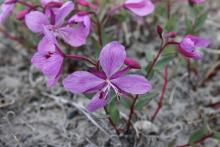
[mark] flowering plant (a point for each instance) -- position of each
(64, 27)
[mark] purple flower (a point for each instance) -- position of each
(55, 27)
(6, 9)
(188, 46)
(49, 60)
(140, 7)
(197, 1)
(112, 77)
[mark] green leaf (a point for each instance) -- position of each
(144, 100)
(216, 135)
(198, 134)
(113, 111)
(125, 102)
(188, 24)
(201, 20)
(163, 61)
(171, 25)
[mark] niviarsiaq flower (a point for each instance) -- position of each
(6, 9)
(189, 45)
(55, 27)
(112, 77)
(140, 7)
(49, 60)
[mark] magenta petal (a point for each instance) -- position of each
(6, 10)
(73, 36)
(35, 21)
(81, 81)
(140, 7)
(53, 65)
(97, 102)
(45, 45)
(112, 57)
(199, 42)
(63, 12)
(134, 84)
(50, 35)
(84, 19)
(198, 1)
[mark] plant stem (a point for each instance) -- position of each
(162, 47)
(111, 122)
(197, 142)
(12, 37)
(131, 113)
(160, 103)
(82, 58)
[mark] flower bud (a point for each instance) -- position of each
(22, 13)
(160, 31)
(132, 63)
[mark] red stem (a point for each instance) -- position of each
(199, 141)
(160, 103)
(78, 57)
(131, 112)
(158, 55)
(12, 37)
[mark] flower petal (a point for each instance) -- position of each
(112, 57)
(6, 10)
(134, 84)
(35, 21)
(97, 102)
(73, 36)
(140, 7)
(81, 81)
(84, 19)
(45, 45)
(63, 12)
(199, 42)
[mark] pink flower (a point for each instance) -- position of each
(49, 60)
(197, 1)
(55, 27)
(6, 9)
(140, 7)
(189, 45)
(112, 77)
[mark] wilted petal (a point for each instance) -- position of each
(140, 7)
(6, 10)
(199, 42)
(35, 21)
(81, 81)
(134, 84)
(188, 46)
(97, 102)
(112, 57)
(73, 36)
(46, 45)
(63, 12)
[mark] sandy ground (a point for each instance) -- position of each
(32, 115)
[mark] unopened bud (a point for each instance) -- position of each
(160, 31)
(132, 63)
(21, 14)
